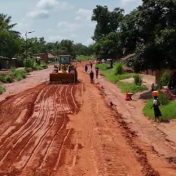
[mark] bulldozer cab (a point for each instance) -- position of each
(64, 59)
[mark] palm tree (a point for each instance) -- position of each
(5, 25)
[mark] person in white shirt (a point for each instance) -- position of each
(157, 111)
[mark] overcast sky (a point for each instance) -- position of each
(59, 19)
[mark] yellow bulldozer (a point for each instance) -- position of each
(64, 71)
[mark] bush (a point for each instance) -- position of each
(12, 70)
(118, 69)
(8, 79)
(2, 77)
(137, 80)
(19, 77)
(165, 78)
(30, 63)
(38, 67)
(164, 100)
(2, 89)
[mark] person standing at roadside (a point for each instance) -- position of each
(157, 111)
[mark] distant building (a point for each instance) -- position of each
(46, 57)
(6, 63)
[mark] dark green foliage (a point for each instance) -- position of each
(165, 78)
(2, 89)
(8, 79)
(164, 100)
(105, 35)
(154, 34)
(118, 69)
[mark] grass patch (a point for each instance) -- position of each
(131, 87)
(84, 58)
(168, 111)
(13, 75)
(110, 76)
(18, 74)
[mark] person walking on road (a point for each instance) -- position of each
(91, 65)
(96, 71)
(157, 111)
(85, 68)
(91, 77)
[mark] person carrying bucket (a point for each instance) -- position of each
(155, 106)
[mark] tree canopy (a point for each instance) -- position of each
(149, 31)
(106, 32)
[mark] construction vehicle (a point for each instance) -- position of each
(64, 71)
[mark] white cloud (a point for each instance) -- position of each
(84, 14)
(43, 8)
(53, 4)
(38, 14)
(47, 4)
(65, 6)
(130, 1)
(67, 27)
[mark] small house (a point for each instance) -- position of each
(46, 57)
(7, 63)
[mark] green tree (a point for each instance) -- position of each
(108, 47)
(106, 20)
(10, 44)
(5, 24)
(129, 34)
(156, 25)
(106, 34)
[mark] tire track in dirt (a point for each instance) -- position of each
(42, 137)
(51, 142)
(21, 137)
(37, 127)
(42, 129)
(64, 137)
(18, 130)
(15, 114)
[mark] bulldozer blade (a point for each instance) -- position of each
(61, 78)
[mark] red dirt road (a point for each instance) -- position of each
(68, 130)
(33, 134)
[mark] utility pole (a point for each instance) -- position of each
(26, 41)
